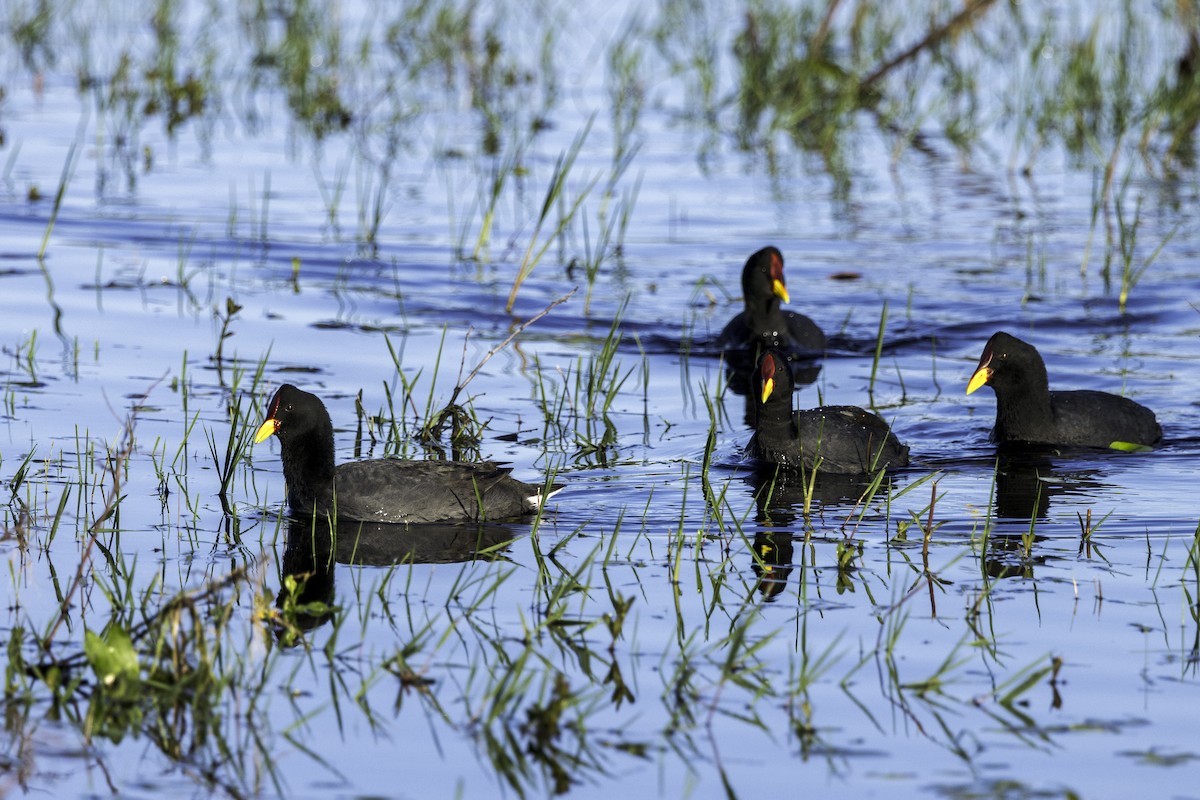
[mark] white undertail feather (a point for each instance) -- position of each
(536, 501)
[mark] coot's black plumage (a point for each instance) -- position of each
(763, 324)
(1028, 412)
(387, 489)
(842, 440)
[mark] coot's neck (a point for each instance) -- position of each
(308, 467)
(767, 323)
(1023, 406)
(777, 410)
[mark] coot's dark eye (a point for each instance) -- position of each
(288, 407)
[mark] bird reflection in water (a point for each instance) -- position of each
(772, 562)
(786, 504)
(314, 547)
(1026, 481)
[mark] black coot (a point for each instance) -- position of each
(1027, 411)
(842, 440)
(763, 324)
(387, 489)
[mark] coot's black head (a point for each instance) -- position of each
(1007, 364)
(295, 415)
(762, 276)
(774, 378)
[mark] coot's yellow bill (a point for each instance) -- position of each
(768, 387)
(981, 376)
(780, 290)
(265, 430)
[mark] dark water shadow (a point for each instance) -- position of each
(1028, 478)
(1010, 557)
(781, 493)
(781, 497)
(772, 561)
(313, 548)
(383, 544)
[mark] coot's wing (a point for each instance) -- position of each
(849, 440)
(396, 490)
(1098, 419)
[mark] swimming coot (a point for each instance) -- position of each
(842, 440)
(386, 489)
(762, 324)
(1027, 411)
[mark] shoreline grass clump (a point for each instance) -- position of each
(577, 403)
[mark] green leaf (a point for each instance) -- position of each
(112, 655)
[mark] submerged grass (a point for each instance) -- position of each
(556, 198)
(1127, 231)
(59, 195)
